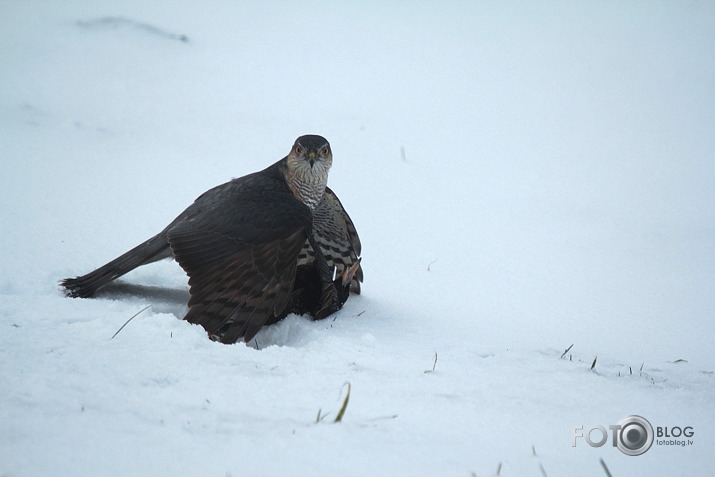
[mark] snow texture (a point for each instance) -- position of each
(525, 176)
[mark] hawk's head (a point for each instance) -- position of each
(310, 158)
(307, 167)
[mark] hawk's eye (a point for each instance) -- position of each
(325, 151)
(298, 150)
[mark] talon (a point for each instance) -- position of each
(348, 273)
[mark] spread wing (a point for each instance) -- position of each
(239, 244)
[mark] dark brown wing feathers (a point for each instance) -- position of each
(240, 253)
(236, 297)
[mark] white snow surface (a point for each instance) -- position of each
(525, 176)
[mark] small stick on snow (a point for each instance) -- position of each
(434, 364)
(130, 319)
(605, 468)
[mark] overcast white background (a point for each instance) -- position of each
(524, 176)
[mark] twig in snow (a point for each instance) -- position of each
(605, 468)
(566, 351)
(382, 418)
(130, 319)
(121, 22)
(434, 364)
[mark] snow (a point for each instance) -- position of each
(524, 176)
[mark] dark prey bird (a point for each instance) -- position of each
(256, 248)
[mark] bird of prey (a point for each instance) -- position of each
(257, 248)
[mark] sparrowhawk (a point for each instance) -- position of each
(256, 248)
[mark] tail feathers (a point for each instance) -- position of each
(156, 248)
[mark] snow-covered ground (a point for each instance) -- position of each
(525, 176)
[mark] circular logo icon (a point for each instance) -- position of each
(635, 435)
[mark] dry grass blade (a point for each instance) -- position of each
(593, 365)
(130, 319)
(321, 416)
(340, 415)
(566, 351)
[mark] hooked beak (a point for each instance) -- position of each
(311, 158)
